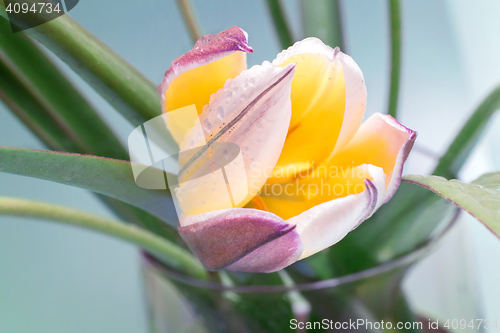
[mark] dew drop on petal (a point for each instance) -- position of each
(220, 112)
(207, 125)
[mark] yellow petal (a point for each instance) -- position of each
(378, 141)
(321, 184)
(318, 103)
(197, 85)
(381, 143)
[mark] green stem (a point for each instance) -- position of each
(450, 163)
(323, 19)
(161, 248)
(280, 23)
(190, 18)
(300, 306)
(395, 15)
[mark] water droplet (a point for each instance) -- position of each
(229, 95)
(220, 112)
(207, 125)
(243, 97)
(252, 82)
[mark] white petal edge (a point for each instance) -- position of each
(324, 225)
(354, 81)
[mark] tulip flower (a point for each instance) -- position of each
(311, 171)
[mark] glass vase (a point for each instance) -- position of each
(367, 300)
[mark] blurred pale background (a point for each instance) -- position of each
(60, 279)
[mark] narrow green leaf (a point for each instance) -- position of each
(452, 161)
(60, 117)
(190, 19)
(481, 198)
(323, 19)
(19, 100)
(62, 102)
(101, 175)
(395, 16)
(125, 88)
(280, 23)
(31, 113)
(161, 248)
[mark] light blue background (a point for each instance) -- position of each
(60, 279)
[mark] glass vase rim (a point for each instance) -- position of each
(408, 258)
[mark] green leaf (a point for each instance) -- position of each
(280, 23)
(19, 100)
(481, 198)
(169, 253)
(452, 161)
(395, 15)
(323, 19)
(125, 88)
(60, 116)
(399, 227)
(60, 102)
(101, 175)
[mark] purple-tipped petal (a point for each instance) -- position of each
(272, 256)
(326, 224)
(373, 195)
(241, 239)
(207, 49)
(400, 160)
